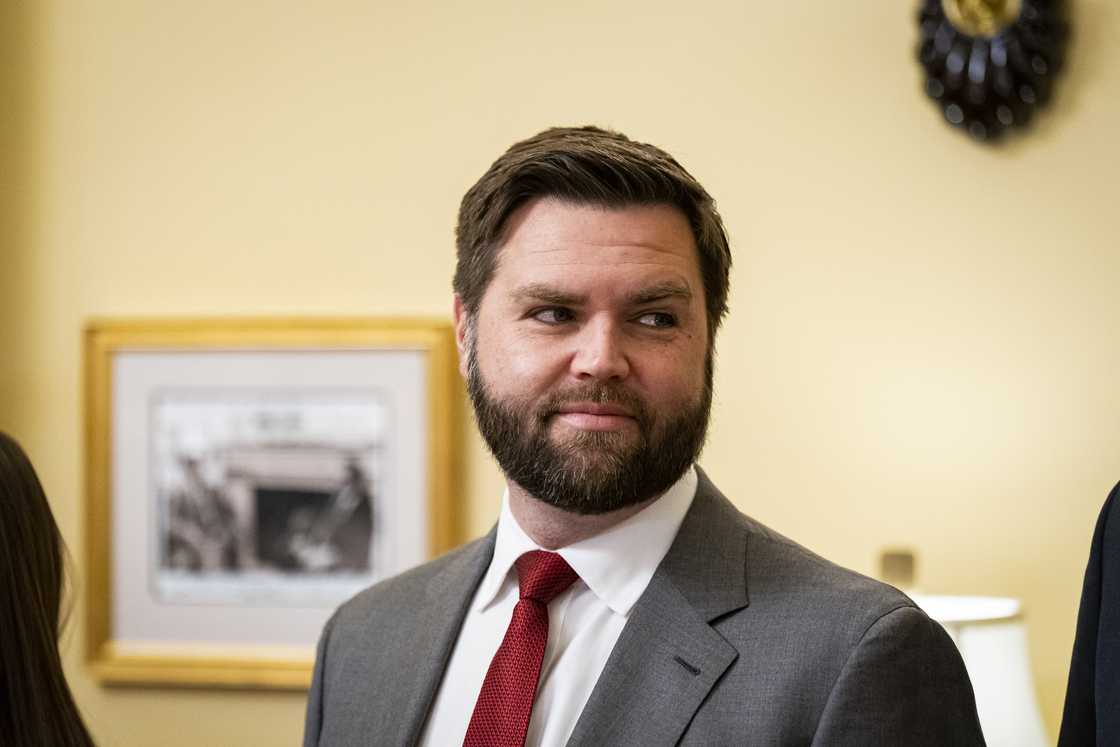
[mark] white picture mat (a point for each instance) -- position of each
(140, 619)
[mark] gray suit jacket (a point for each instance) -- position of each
(743, 637)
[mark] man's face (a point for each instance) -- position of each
(588, 359)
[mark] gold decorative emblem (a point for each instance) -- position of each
(981, 17)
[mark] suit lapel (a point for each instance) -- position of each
(668, 656)
(449, 597)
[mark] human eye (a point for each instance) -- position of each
(553, 315)
(657, 320)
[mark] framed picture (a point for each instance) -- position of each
(245, 477)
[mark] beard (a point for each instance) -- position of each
(590, 472)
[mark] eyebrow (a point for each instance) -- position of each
(660, 292)
(544, 293)
(547, 294)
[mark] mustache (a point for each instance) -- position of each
(597, 393)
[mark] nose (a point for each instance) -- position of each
(600, 352)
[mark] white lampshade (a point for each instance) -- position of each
(992, 637)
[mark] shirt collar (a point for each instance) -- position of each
(616, 565)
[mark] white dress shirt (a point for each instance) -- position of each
(584, 622)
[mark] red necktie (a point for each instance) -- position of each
(501, 714)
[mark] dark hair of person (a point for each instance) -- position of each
(36, 706)
(585, 165)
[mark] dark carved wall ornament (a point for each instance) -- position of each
(991, 63)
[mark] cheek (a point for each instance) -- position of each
(675, 376)
(512, 363)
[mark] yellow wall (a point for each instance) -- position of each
(922, 349)
(16, 71)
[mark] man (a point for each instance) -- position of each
(621, 599)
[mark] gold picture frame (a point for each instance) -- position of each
(129, 367)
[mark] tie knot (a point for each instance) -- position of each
(542, 575)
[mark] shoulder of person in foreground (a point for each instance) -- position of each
(1091, 715)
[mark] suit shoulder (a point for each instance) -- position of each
(781, 575)
(788, 581)
(830, 611)
(777, 564)
(1110, 525)
(401, 592)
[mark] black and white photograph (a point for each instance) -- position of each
(267, 494)
(247, 476)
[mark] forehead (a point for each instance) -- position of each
(551, 237)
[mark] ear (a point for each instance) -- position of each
(461, 321)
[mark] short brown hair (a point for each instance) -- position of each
(585, 165)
